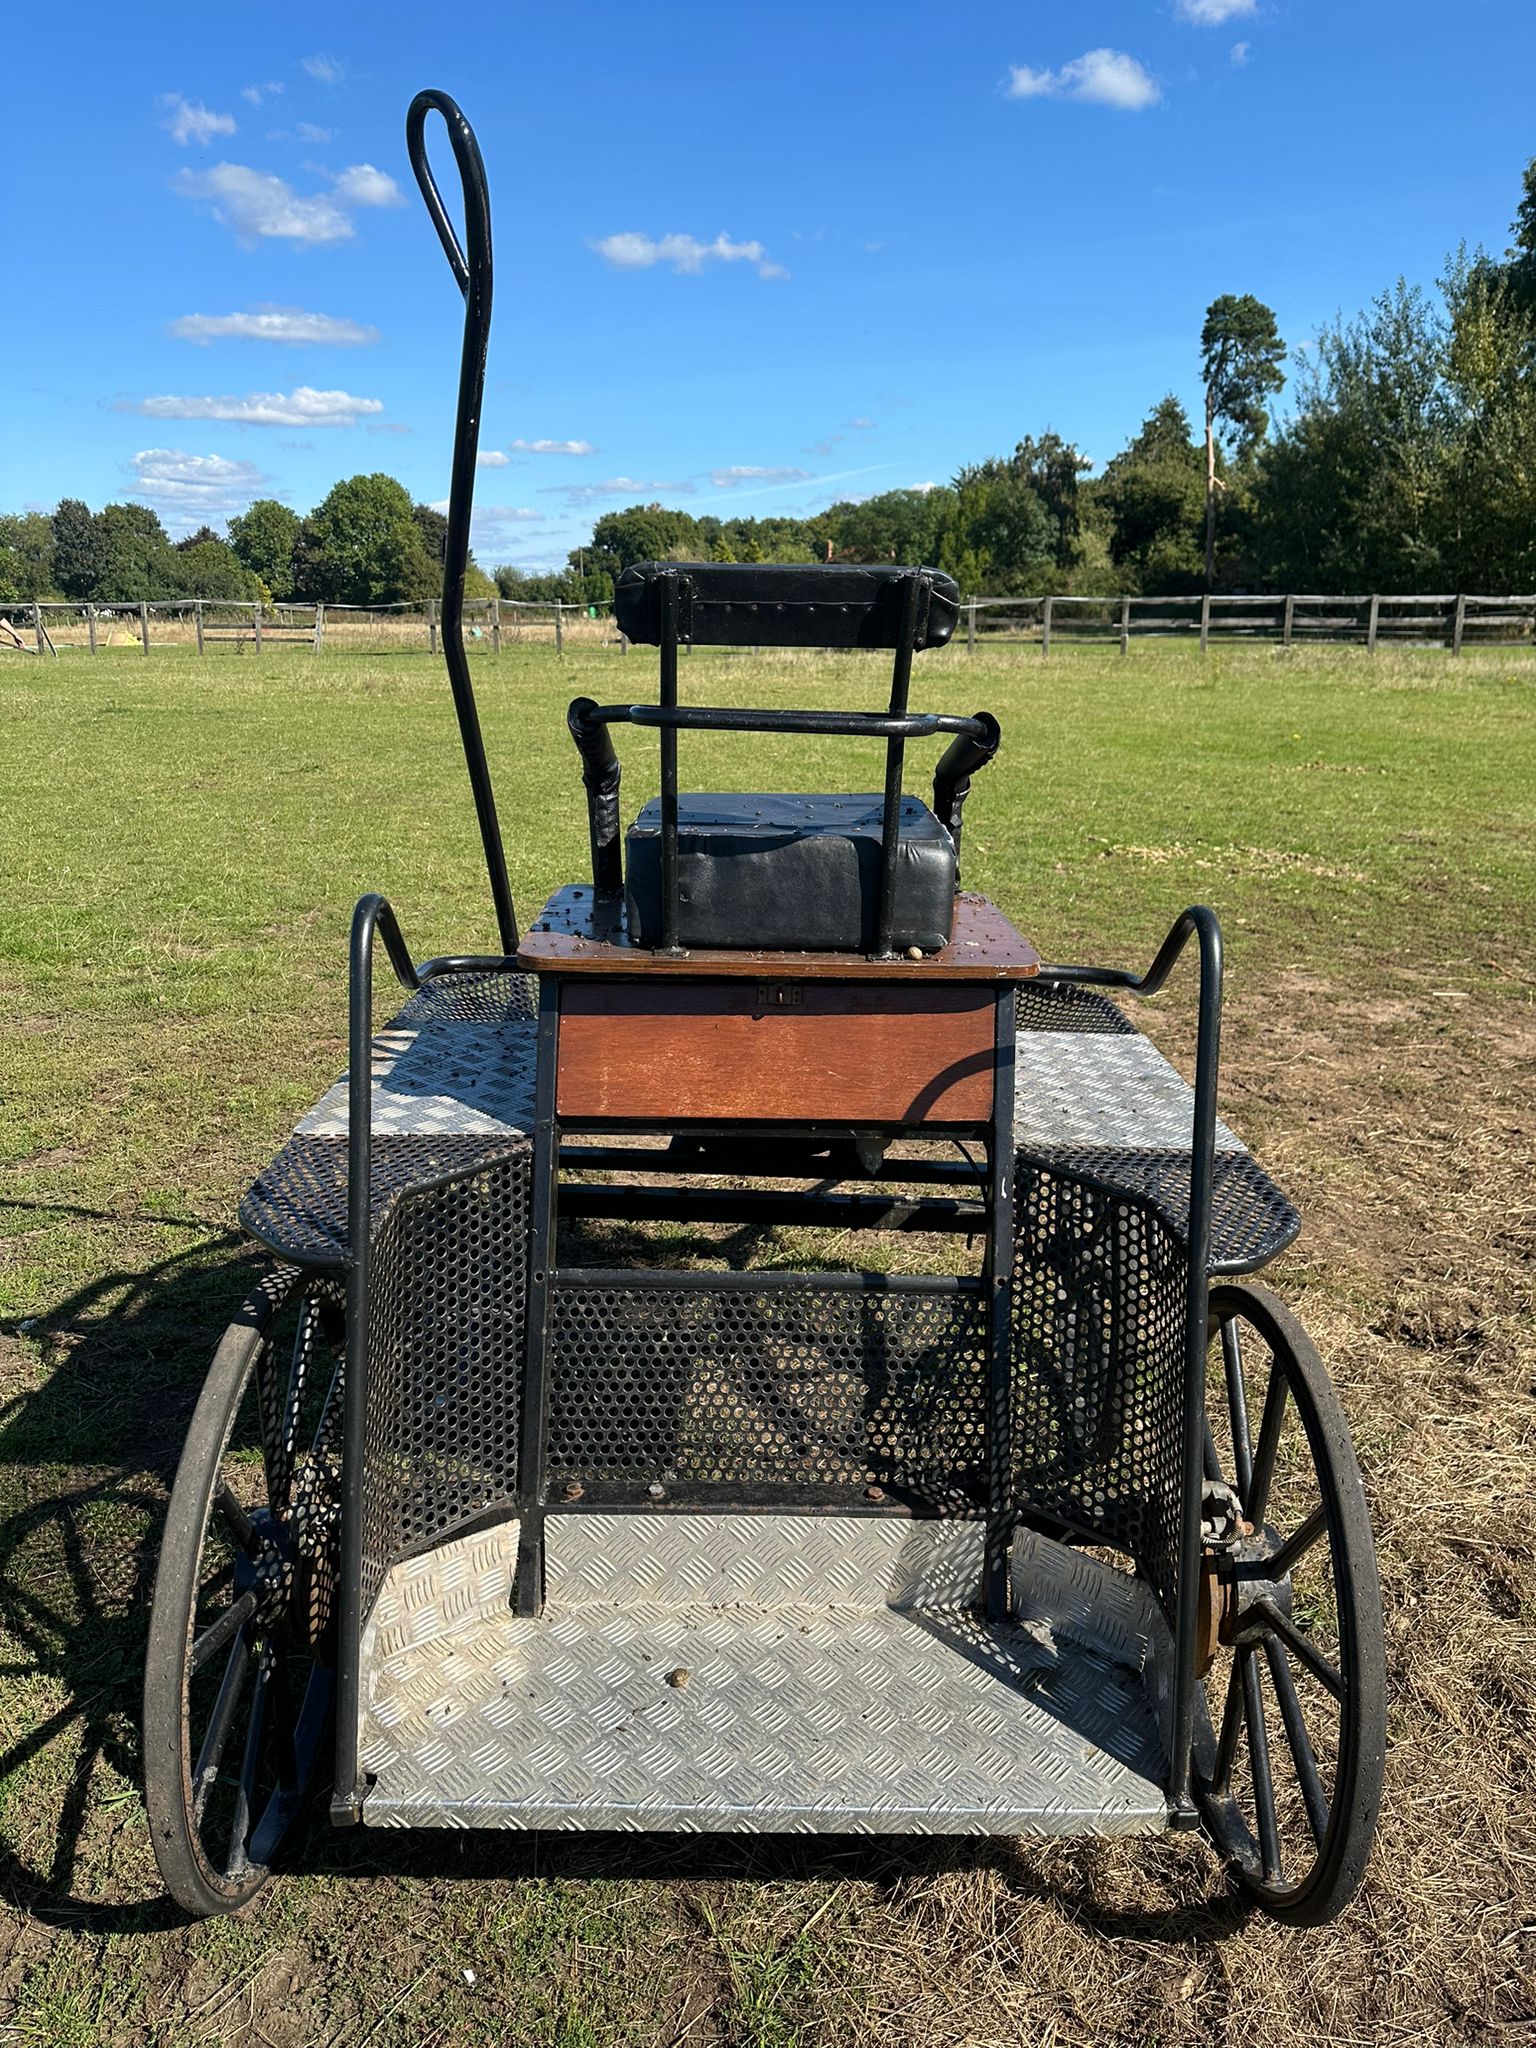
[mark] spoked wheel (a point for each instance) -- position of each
(239, 1686)
(1291, 1729)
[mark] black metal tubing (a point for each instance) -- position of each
(942, 1216)
(471, 267)
(529, 1588)
(1199, 923)
(962, 759)
(634, 1159)
(997, 1275)
(467, 963)
(690, 1280)
(601, 773)
(373, 918)
(866, 725)
(914, 587)
(670, 884)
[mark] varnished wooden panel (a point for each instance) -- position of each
(782, 1050)
(574, 934)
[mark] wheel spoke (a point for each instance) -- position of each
(1256, 1499)
(228, 1625)
(1258, 1759)
(1237, 1406)
(1231, 1721)
(1312, 1792)
(1295, 1548)
(211, 1754)
(1212, 1461)
(250, 1764)
(236, 1520)
(1304, 1651)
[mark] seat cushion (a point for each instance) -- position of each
(791, 874)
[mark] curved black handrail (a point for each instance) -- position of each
(471, 267)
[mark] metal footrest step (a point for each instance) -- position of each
(762, 1673)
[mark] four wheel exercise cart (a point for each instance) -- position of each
(565, 1470)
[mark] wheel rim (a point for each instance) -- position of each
(1289, 1735)
(257, 1677)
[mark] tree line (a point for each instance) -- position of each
(1405, 461)
(365, 543)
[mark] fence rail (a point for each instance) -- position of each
(1456, 621)
(209, 623)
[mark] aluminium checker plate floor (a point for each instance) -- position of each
(771, 1674)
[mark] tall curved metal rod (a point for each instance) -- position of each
(1199, 923)
(471, 267)
(373, 918)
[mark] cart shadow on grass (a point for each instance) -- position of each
(76, 1565)
(77, 1551)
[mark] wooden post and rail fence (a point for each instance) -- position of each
(1457, 621)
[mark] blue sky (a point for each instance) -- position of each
(749, 259)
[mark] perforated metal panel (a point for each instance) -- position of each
(446, 1334)
(1100, 1286)
(785, 1387)
(1063, 1006)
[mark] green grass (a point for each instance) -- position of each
(181, 844)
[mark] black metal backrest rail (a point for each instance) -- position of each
(471, 267)
(661, 599)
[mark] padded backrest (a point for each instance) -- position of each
(784, 604)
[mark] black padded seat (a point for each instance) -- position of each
(791, 874)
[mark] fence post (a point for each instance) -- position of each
(197, 613)
(431, 625)
(1125, 625)
(90, 624)
(970, 627)
(1205, 622)
(256, 625)
(1289, 621)
(1459, 624)
(1045, 624)
(623, 644)
(559, 631)
(144, 624)
(1373, 620)
(37, 624)
(319, 627)
(495, 625)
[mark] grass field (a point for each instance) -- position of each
(180, 847)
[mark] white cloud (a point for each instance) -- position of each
(1103, 78)
(255, 94)
(362, 185)
(632, 251)
(492, 458)
(257, 205)
(286, 324)
(190, 121)
(620, 487)
(751, 473)
(193, 490)
(555, 448)
(301, 407)
(1239, 52)
(1212, 13)
(324, 69)
(859, 426)
(925, 488)
(308, 132)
